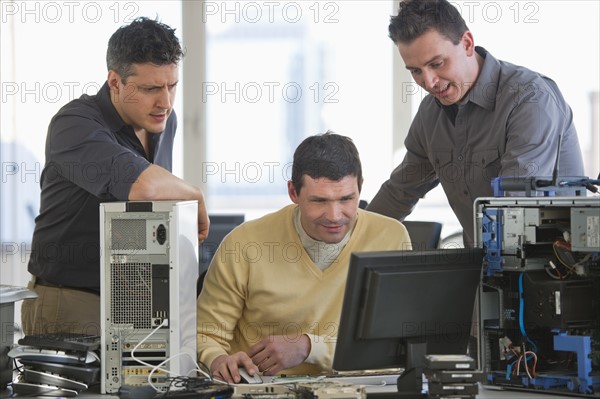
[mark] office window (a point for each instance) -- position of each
(260, 55)
(539, 35)
(51, 52)
(559, 39)
(279, 72)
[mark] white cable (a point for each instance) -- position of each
(164, 323)
(158, 367)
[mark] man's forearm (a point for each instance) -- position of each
(156, 183)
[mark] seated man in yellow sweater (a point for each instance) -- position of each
(273, 293)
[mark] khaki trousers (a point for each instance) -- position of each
(60, 309)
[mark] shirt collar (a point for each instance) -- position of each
(484, 91)
(111, 116)
(113, 119)
(322, 254)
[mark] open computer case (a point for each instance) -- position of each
(539, 299)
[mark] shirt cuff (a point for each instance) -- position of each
(208, 355)
(318, 350)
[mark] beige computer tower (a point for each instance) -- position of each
(149, 268)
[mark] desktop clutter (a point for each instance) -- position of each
(63, 365)
(55, 365)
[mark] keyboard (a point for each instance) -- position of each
(52, 355)
(373, 380)
(87, 373)
(63, 341)
(46, 378)
(21, 387)
(13, 293)
(379, 384)
(381, 377)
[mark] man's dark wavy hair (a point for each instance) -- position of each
(142, 41)
(415, 17)
(326, 155)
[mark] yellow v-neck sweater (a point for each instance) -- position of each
(261, 282)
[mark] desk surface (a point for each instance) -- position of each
(374, 383)
(484, 393)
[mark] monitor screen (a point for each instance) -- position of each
(396, 298)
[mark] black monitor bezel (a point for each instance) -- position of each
(220, 226)
(356, 353)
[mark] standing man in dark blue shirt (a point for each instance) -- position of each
(113, 146)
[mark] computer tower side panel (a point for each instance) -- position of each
(183, 279)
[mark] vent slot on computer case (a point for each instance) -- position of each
(145, 287)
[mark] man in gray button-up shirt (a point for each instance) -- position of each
(483, 117)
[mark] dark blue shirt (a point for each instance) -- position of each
(92, 156)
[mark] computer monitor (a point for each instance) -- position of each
(401, 305)
(220, 226)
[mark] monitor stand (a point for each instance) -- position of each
(410, 382)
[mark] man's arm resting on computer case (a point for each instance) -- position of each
(156, 183)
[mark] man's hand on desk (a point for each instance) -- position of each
(278, 352)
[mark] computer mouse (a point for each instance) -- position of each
(249, 379)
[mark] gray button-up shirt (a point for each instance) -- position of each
(509, 125)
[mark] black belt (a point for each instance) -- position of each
(42, 282)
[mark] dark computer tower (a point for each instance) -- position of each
(539, 301)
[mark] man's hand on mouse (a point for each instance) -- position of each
(226, 367)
